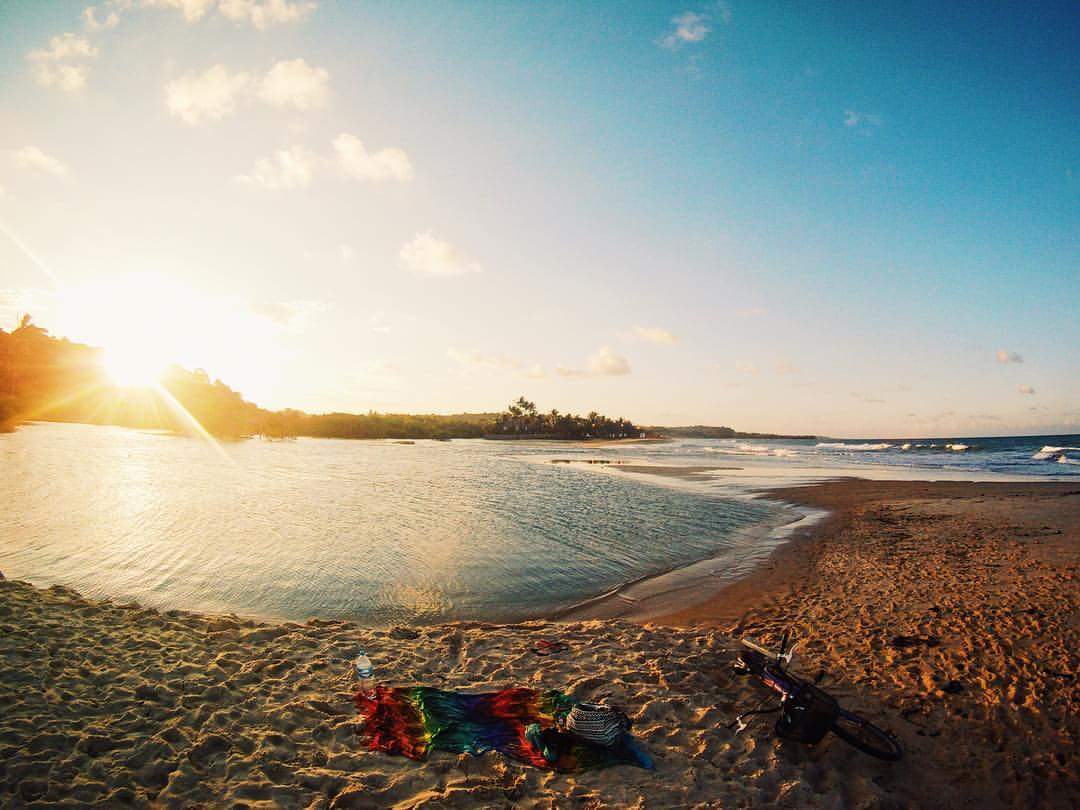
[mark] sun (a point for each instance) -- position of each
(133, 368)
(147, 323)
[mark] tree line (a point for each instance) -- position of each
(54, 379)
(522, 419)
(47, 378)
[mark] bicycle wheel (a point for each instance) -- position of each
(867, 737)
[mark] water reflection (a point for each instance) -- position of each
(368, 530)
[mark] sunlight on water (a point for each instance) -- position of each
(368, 530)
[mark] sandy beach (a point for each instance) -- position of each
(431, 405)
(953, 609)
(945, 612)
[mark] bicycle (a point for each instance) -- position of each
(807, 712)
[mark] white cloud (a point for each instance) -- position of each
(356, 161)
(297, 84)
(606, 363)
(1004, 356)
(498, 362)
(68, 78)
(264, 14)
(428, 255)
(746, 367)
(261, 14)
(92, 24)
(292, 315)
(296, 167)
(685, 28)
(601, 363)
(785, 367)
(655, 334)
(192, 10)
(30, 157)
(753, 312)
(346, 252)
(853, 118)
(208, 96)
(1026, 389)
(62, 64)
(215, 93)
(66, 46)
(285, 169)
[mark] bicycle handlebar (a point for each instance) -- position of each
(779, 658)
(758, 648)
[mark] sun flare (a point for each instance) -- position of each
(129, 368)
(148, 322)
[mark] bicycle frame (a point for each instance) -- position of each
(780, 682)
(769, 667)
(772, 675)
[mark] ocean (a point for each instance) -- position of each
(391, 533)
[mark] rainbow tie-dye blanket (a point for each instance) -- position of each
(520, 723)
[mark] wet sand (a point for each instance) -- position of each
(945, 612)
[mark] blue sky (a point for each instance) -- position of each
(848, 219)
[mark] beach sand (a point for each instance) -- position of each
(949, 607)
(117, 704)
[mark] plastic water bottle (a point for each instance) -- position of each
(364, 672)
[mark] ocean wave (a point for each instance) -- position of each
(727, 451)
(845, 446)
(740, 450)
(957, 448)
(752, 450)
(1063, 459)
(1048, 452)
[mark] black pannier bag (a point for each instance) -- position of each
(807, 716)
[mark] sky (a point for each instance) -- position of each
(846, 219)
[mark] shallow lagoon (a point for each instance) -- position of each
(368, 530)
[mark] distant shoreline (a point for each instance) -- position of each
(554, 440)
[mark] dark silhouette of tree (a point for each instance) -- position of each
(48, 378)
(521, 419)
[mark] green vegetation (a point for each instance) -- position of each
(376, 425)
(36, 369)
(54, 379)
(522, 420)
(47, 378)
